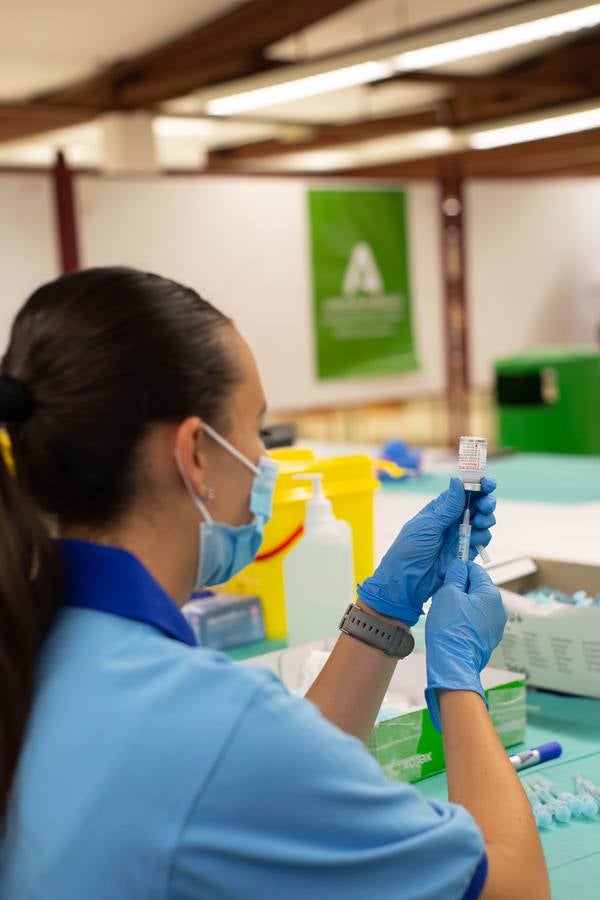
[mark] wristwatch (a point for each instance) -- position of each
(394, 640)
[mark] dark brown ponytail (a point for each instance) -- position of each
(29, 597)
(94, 359)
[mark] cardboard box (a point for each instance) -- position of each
(407, 746)
(555, 646)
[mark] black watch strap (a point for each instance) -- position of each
(394, 640)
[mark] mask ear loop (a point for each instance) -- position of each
(230, 448)
(209, 494)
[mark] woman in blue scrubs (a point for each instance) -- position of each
(136, 765)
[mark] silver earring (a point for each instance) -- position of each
(208, 494)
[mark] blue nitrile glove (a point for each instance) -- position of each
(464, 625)
(415, 565)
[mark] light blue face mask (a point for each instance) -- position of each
(224, 550)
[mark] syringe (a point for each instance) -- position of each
(464, 536)
(575, 804)
(543, 819)
(584, 785)
(485, 556)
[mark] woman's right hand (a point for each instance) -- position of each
(464, 625)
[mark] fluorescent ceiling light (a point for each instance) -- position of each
(310, 86)
(500, 39)
(536, 130)
(376, 151)
(411, 60)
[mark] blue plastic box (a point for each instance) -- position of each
(222, 621)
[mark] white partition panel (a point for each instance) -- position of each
(243, 244)
(533, 266)
(28, 248)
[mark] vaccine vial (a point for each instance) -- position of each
(472, 461)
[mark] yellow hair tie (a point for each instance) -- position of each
(6, 451)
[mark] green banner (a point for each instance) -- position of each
(361, 283)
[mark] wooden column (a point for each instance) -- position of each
(455, 301)
(66, 221)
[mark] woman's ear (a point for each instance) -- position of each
(188, 454)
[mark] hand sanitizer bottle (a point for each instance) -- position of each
(318, 571)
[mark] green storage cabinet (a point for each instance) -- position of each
(549, 401)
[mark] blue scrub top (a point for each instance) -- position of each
(155, 769)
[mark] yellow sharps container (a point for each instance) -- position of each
(350, 484)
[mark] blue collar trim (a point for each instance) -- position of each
(113, 581)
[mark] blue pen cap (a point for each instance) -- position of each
(549, 751)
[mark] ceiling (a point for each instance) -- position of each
(65, 66)
(45, 45)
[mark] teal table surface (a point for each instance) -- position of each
(536, 477)
(572, 850)
(257, 648)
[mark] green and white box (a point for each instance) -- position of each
(407, 746)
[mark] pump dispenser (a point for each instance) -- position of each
(318, 571)
(318, 508)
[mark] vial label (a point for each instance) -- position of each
(472, 454)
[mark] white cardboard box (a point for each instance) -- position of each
(556, 646)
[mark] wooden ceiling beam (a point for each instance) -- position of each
(328, 136)
(570, 72)
(573, 60)
(230, 46)
(178, 79)
(124, 88)
(497, 81)
(472, 108)
(565, 74)
(254, 25)
(233, 45)
(575, 153)
(22, 120)
(29, 112)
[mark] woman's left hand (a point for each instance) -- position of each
(415, 565)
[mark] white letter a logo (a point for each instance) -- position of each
(362, 273)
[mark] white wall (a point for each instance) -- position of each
(28, 254)
(243, 244)
(586, 318)
(533, 266)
